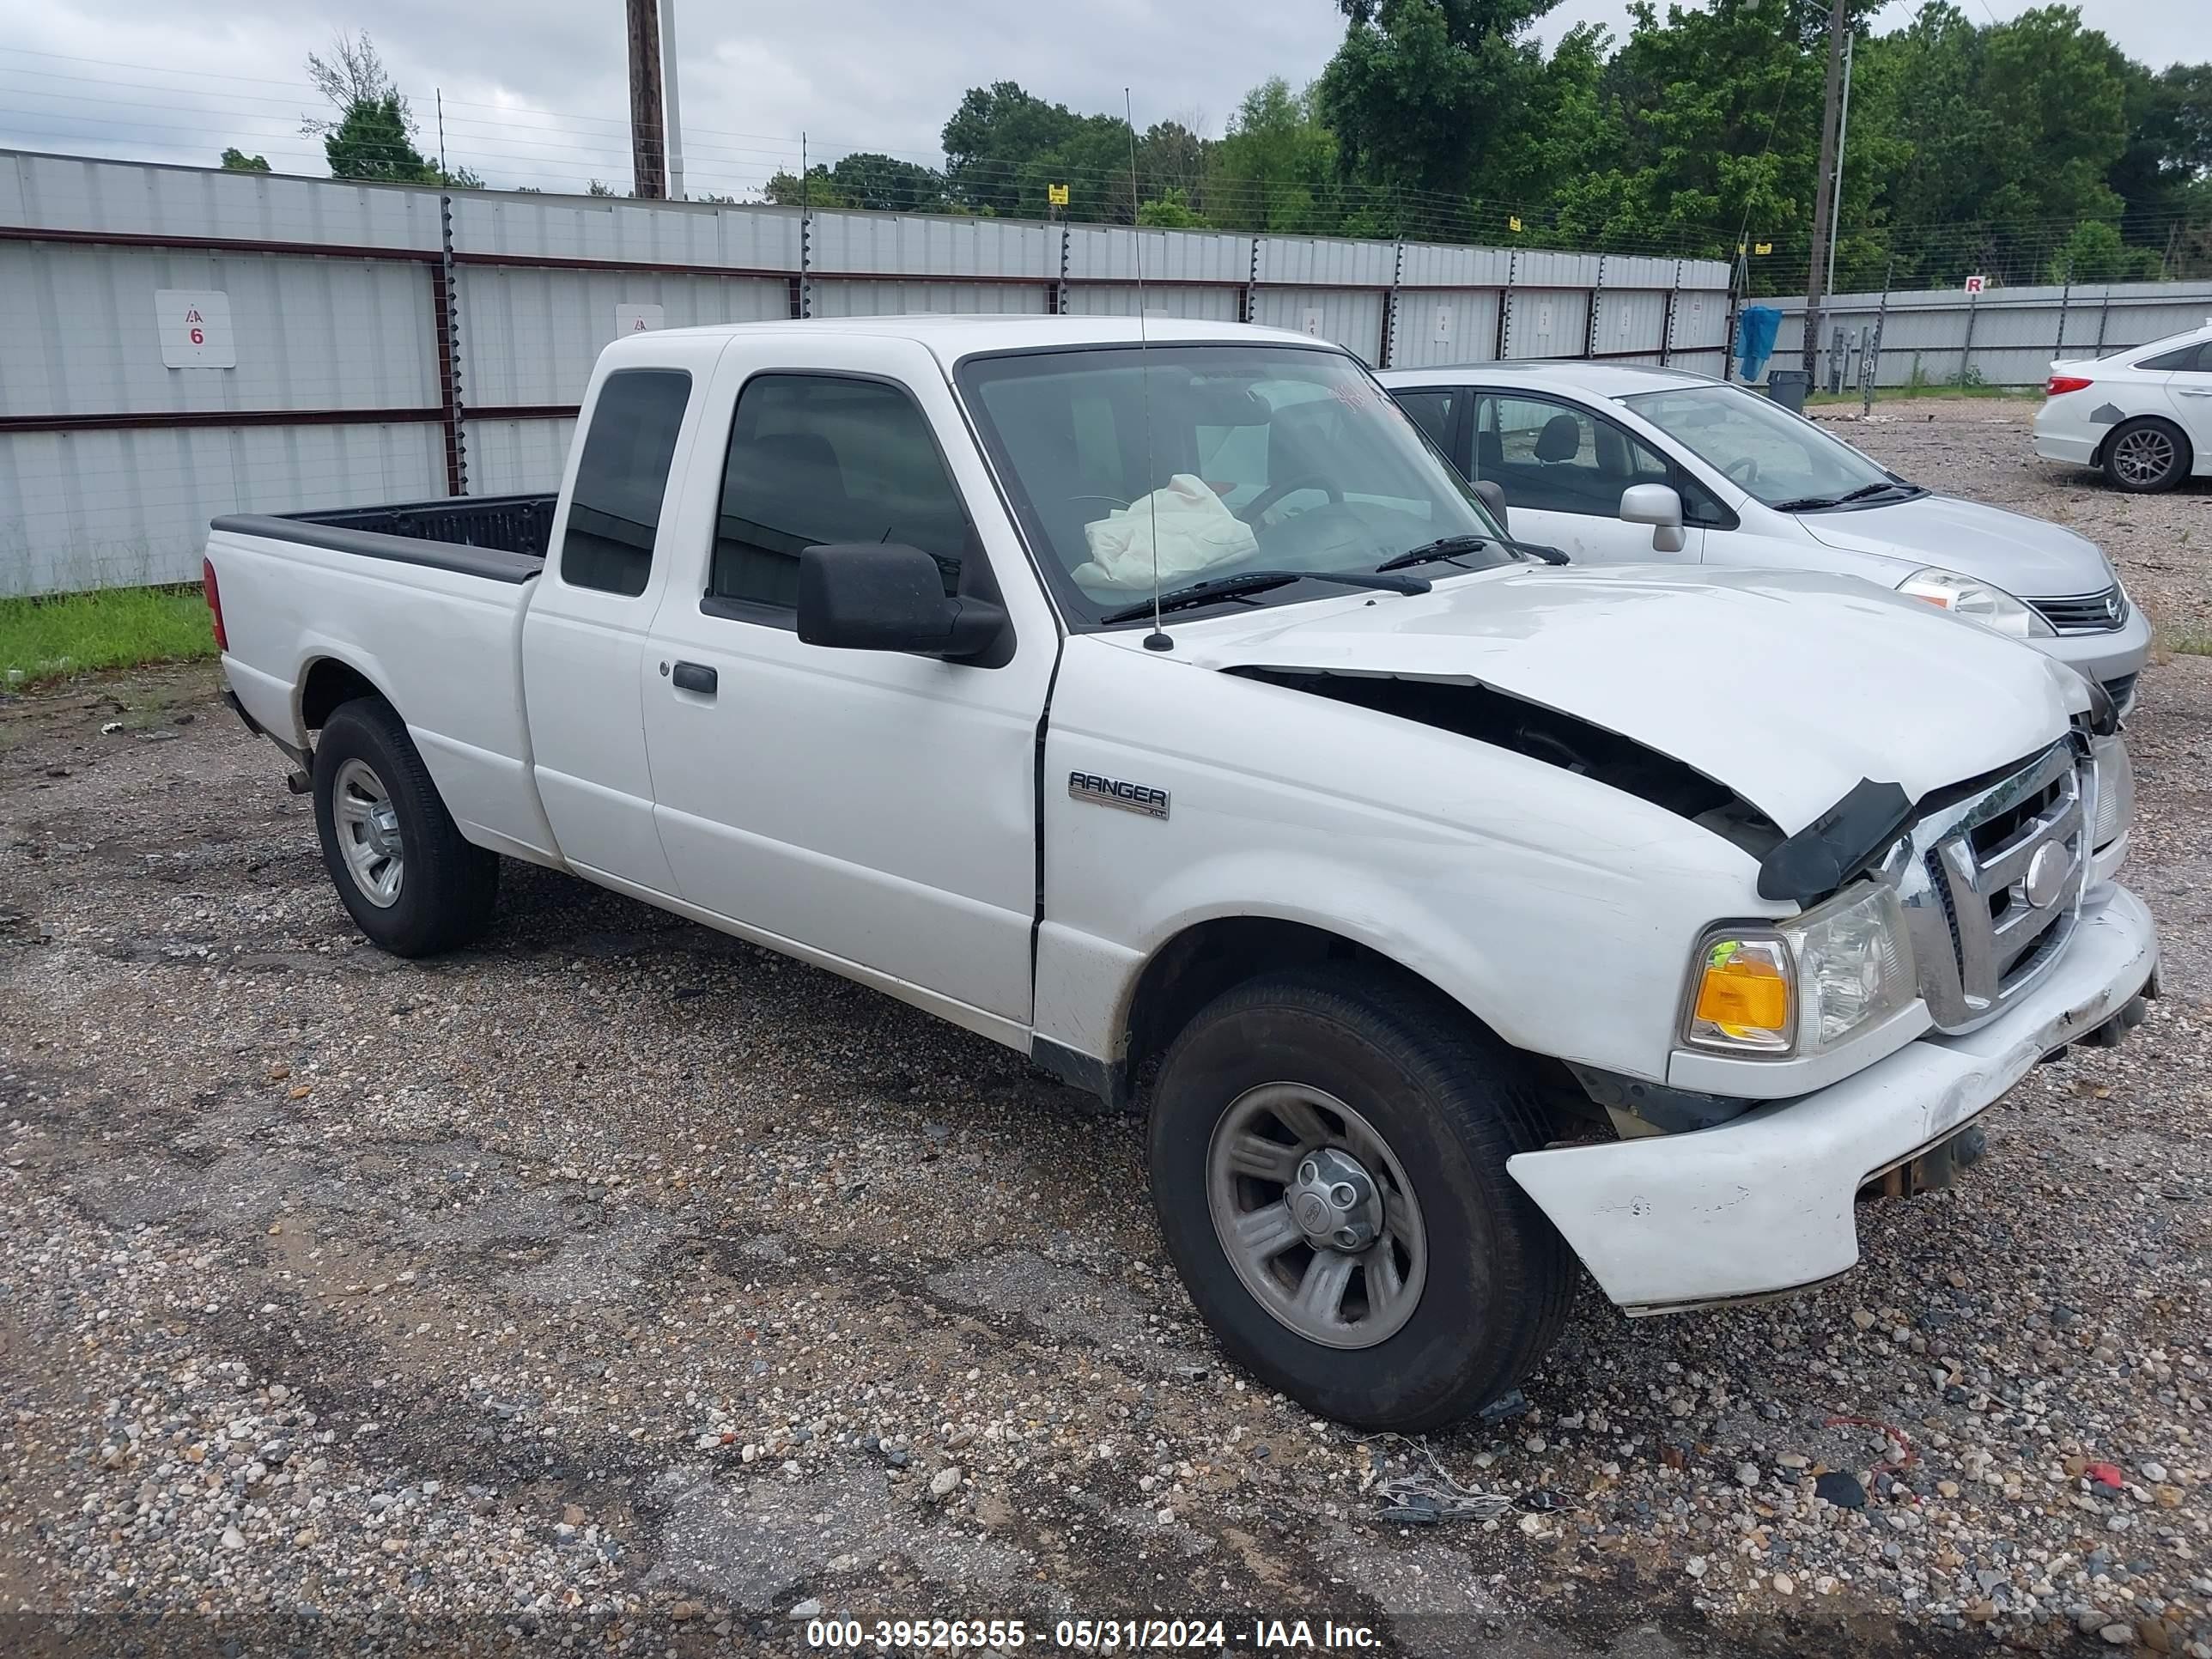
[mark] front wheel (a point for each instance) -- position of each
(401, 865)
(1328, 1155)
(2146, 455)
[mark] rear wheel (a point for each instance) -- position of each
(2146, 455)
(1328, 1156)
(402, 870)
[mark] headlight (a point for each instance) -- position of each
(1969, 595)
(1804, 985)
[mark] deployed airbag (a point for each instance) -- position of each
(1192, 529)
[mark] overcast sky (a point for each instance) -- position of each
(535, 90)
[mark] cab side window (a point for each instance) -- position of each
(622, 477)
(817, 460)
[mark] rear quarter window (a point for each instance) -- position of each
(622, 479)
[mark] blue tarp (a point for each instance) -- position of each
(1754, 338)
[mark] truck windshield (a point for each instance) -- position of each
(1786, 462)
(1217, 459)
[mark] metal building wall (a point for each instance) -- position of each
(396, 342)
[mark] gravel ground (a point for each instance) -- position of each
(619, 1286)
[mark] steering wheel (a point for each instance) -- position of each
(1744, 469)
(1256, 508)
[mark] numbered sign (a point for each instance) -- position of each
(1443, 330)
(194, 325)
(1543, 319)
(1309, 320)
(637, 320)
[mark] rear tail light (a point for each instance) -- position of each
(2058, 384)
(214, 603)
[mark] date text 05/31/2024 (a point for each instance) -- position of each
(1090, 1634)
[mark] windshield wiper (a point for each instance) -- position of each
(1814, 503)
(1452, 547)
(1259, 581)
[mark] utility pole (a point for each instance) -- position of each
(648, 145)
(673, 71)
(1843, 147)
(1824, 198)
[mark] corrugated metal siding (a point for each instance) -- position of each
(1546, 322)
(1430, 265)
(888, 298)
(1350, 317)
(1629, 320)
(2015, 331)
(1321, 262)
(897, 244)
(531, 336)
(515, 458)
(77, 332)
(1188, 256)
(58, 192)
(109, 509)
(1471, 325)
(528, 228)
(1212, 305)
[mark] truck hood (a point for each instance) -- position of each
(2028, 557)
(1787, 686)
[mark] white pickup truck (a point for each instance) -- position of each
(1451, 914)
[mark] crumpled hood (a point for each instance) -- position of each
(1787, 686)
(2028, 557)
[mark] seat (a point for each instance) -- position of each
(1561, 440)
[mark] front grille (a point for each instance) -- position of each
(1995, 889)
(2122, 691)
(2084, 613)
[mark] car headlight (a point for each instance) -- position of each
(1804, 985)
(1970, 595)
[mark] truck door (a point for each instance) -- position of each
(872, 806)
(584, 634)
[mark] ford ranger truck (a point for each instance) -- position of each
(1152, 698)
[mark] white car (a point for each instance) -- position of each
(1452, 913)
(1614, 465)
(2144, 416)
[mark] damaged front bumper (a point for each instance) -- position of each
(1763, 1203)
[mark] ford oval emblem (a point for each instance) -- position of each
(2046, 875)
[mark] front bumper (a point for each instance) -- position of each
(1765, 1202)
(2111, 659)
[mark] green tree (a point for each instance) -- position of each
(370, 130)
(1431, 97)
(237, 161)
(1275, 168)
(885, 184)
(1169, 211)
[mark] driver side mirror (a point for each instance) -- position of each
(1493, 497)
(1659, 506)
(886, 596)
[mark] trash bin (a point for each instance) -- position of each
(1788, 387)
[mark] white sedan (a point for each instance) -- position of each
(2144, 416)
(1616, 465)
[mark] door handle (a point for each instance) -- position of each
(2194, 391)
(696, 677)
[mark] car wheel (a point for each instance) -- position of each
(402, 870)
(1328, 1154)
(2146, 455)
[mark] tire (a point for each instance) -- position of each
(403, 871)
(1489, 1291)
(2146, 455)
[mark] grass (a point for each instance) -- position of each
(1890, 393)
(49, 639)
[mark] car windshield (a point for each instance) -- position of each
(1215, 460)
(1785, 460)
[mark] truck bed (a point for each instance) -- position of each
(502, 537)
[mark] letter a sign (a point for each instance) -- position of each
(194, 325)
